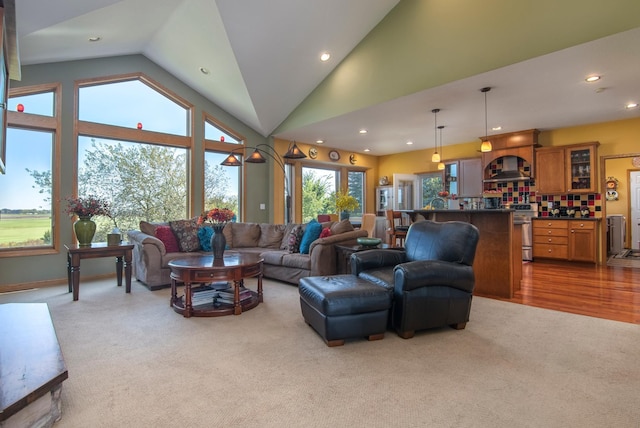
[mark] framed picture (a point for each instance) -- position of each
(334, 155)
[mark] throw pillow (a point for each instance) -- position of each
(311, 233)
(165, 234)
(325, 232)
(284, 245)
(204, 236)
(186, 232)
(294, 239)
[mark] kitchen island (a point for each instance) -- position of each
(498, 261)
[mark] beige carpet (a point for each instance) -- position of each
(133, 362)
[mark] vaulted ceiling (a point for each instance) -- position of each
(261, 61)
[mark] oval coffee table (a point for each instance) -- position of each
(201, 269)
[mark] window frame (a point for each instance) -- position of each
(53, 125)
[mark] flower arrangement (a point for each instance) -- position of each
(87, 207)
(216, 216)
(346, 202)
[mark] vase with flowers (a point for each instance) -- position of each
(217, 218)
(345, 203)
(85, 209)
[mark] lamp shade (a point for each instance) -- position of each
(435, 157)
(231, 160)
(440, 165)
(294, 152)
(486, 146)
(255, 157)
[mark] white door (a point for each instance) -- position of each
(405, 191)
(634, 184)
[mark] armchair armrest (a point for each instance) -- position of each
(323, 253)
(142, 239)
(370, 259)
(425, 273)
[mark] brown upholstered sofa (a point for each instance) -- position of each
(150, 257)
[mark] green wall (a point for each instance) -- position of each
(33, 269)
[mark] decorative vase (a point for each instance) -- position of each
(218, 241)
(344, 215)
(84, 228)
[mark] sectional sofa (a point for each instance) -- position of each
(272, 241)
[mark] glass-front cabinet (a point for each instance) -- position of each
(384, 199)
(580, 168)
(451, 178)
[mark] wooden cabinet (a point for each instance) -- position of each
(550, 239)
(582, 241)
(567, 169)
(573, 240)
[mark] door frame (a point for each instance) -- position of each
(602, 259)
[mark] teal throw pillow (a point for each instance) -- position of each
(204, 235)
(311, 233)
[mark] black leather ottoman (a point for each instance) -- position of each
(340, 307)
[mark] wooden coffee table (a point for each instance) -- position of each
(203, 270)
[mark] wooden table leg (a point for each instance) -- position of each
(260, 288)
(119, 271)
(188, 305)
(69, 272)
(174, 292)
(127, 270)
(237, 308)
(75, 275)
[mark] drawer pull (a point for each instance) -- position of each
(549, 240)
(549, 250)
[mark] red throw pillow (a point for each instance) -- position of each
(165, 234)
(325, 232)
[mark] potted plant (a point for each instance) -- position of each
(345, 203)
(85, 209)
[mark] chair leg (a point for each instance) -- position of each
(376, 336)
(459, 326)
(332, 343)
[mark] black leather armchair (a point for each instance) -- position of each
(431, 279)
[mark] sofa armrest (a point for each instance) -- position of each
(323, 253)
(142, 239)
(425, 273)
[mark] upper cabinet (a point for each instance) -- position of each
(463, 177)
(519, 144)
(567, 169)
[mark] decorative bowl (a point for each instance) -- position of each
(369, 242)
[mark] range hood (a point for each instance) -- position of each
(509, 172)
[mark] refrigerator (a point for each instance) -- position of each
(616, 233)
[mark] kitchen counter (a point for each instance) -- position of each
(498, 261)
(568, 218)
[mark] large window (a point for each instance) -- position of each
(133, 151)
(431, 184)
(221, 183)
(355, 185)
(28, 188)
(318, 190)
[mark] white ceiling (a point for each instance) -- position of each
(263, 62)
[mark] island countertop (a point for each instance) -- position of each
(498, 261)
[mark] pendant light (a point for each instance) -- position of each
(486, 144)
(441, 164)
(436, 156)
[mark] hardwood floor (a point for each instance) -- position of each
(598, 291)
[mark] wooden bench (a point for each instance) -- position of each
(32, 368)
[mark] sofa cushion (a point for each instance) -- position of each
(228, 234)
(150, 228)
(341, 227)
(165, 234)
(273, 257)
(186, 232)
(245, 234)
(204, 236)
(311, 233)
(270, 235)
(297, 260)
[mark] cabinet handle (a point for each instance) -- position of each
(572, 231)
(581, 224)
(549, 240)
(549, 224)
(549, 250)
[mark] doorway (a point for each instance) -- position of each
(634, 208)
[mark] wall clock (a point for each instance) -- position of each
(313, 153)
(352, 159)
(612, 195)
(334, 155)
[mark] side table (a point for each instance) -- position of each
(75, 253)
(344, 254)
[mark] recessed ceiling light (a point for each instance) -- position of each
(319, 141)
(367, 150)
(204, 70)
(496, 128)
(592, 79)
(95, 38)
(409, 143)
(631, 105)
(363, 131)
(325, 56)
